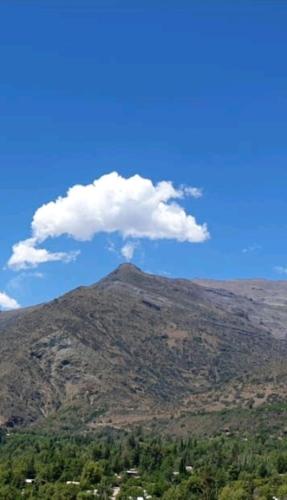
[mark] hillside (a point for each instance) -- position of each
(136, 347)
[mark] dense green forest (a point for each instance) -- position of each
(133, 465)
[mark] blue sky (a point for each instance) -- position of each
(189, 92)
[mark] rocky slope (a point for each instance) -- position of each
(136, 346)
(267, 300)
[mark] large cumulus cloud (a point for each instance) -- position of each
(133, 207)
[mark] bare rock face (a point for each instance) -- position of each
(267, 301)
(135, 346)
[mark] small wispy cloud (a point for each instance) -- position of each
(194, 192)
(128, 250)
(280, 269)
(251, 248)
(111, 247)
(19, 281)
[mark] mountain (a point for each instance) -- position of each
(139, 348)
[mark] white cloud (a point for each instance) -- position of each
(194, 192)
(111, 247)
(17, 282)
(128, 250)
(280, 269)
(26, 255)
(251, 248)
(7, 302)
(133, 207)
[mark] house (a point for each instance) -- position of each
(92, 492)
(132, 472)
(116, 492)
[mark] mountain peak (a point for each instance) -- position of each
(124, 271)
(127, 266)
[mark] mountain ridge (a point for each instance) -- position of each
(134, 346)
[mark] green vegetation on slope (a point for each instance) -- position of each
(73, 467)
